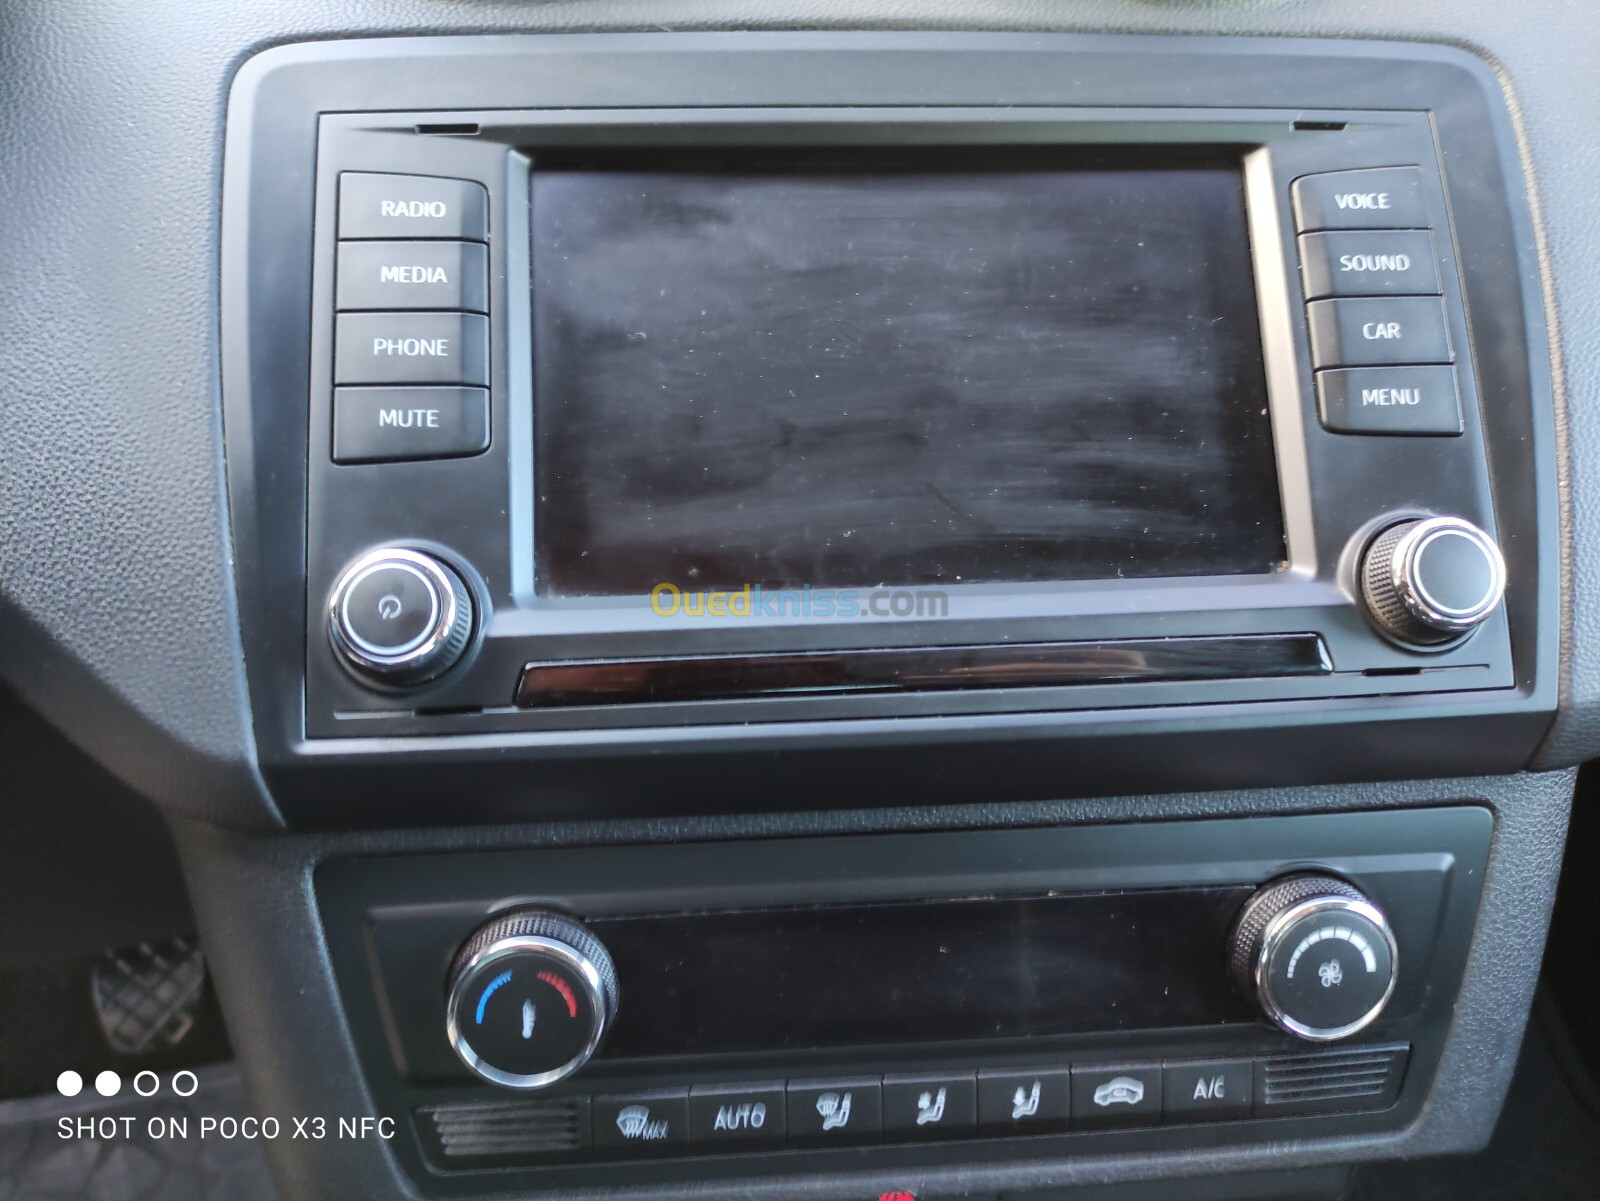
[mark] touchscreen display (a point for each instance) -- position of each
(845, 376)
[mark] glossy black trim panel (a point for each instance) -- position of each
(918, 669)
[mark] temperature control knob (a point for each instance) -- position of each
(1316, 955)
(1433, 579)
(531, 996)
(399, 616)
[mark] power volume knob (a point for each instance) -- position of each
(531, 996)
(1316, 954)
(1432, 580)
(399, 616)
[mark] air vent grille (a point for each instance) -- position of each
(544, 1129)
(1327, 1081)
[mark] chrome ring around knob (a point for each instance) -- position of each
(1468, 579)
(1281, 927)
(530, 999)
(425, 597)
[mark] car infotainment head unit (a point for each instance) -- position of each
(1014, 397)
(729, 416)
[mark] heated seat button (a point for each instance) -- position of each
(645, 1124)
(1388, 263)
(1116, 1096)
(1389, 400)
(411, 206)
(1210, 1090)
(413, 275)
(926, 1107)
(748, 1117)
(387, 425)
(1017, 1102)
(824, 1113)
(411, 348)
(1385, 198)
(1378, 331)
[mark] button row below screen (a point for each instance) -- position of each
(866, 1110)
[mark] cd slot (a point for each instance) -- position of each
(917, 669)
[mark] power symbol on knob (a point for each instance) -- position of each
(399, 616)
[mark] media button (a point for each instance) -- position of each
(828, 1113)
(1015, 1102)
(1378, 331)
(644, 1124)
(927, 1107)
(1385, 198)
(1389, 400)
(1207, 1090)
(388, 425)
(1369, 263)
(411, 348)
(413, 275)
(411, 206)
(1116, 1096)
(747, 1117)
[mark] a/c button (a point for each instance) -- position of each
(386, 425)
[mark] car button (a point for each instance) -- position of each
(387, 425)
(411, 206)
(1013, 1102)
(413, 275)
(822, 1113)
(747, 1117)
(1386, 198)
(1387, 263)
(411, 348)
(1389, 400)
(1207, 1090)
(1116, 1096)
(643, 1124)
(919, 1107)
(1378, 331)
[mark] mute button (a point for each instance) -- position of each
(389, 425)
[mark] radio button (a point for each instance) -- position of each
(929, 1107)
(835, 1113)
(411, 206)
(411, 348)
(1390, 263)
(1386, 198)
(390, 425)
(1013, 1102)
(1389, 400)
(413, 275)
(1378, 331)
(1116, 1096)
(1211, 1090)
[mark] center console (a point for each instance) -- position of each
(654, 443)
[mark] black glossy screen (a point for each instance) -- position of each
(841, 376)
(856, 975)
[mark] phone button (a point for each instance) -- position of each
(926, 1107)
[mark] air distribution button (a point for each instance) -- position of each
(399, 616)
(531, 995)
(1433, 579)
(1317, 956)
